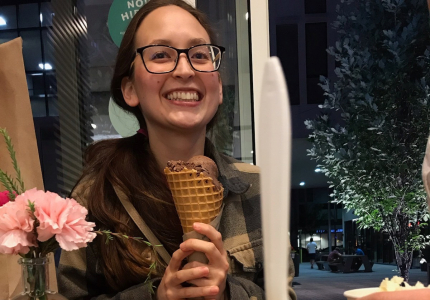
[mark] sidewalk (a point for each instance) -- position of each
(314, 284)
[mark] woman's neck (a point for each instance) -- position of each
(168, 145)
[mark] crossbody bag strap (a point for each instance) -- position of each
(142, 225)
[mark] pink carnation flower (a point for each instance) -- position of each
(4, 198)
(16, 226)
(64, 218)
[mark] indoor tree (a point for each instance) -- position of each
(370, 137)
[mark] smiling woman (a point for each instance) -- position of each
(166, 74)
(150, 92)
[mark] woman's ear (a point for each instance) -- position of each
(128, 92)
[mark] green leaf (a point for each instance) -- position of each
(11, 151)
(8, 183)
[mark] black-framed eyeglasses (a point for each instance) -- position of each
(160, 59)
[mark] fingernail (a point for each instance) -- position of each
(214, 290)
(197, 226)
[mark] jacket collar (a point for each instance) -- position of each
(231, 178)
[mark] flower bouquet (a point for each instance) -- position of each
(34, 223)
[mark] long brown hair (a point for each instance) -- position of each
(129, 164)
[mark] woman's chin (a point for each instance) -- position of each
(189, 127)
(190, 122)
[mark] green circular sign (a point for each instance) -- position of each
(125, 123)
(120, 14)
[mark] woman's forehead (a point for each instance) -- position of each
(173, 26)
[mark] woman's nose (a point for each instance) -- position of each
(183, 68)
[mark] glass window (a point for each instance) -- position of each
(314, 91)
(32, 50)
(231, 21)
(288, 53)
(316, 45)
(102, 50)
(38, 106)
(316, 60)
(101, 58)
(51, 83)
(48, 50)
(28, 15)
(7, 17)
(315, 6)
(38, 85)
(29, 78)
(7, 36)
(53, 106)
(88, 54)
(46, 14)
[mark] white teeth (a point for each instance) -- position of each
(183, 96)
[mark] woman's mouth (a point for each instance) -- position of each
(183, 96)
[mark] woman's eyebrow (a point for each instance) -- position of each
(160, 42)
(191, 42)
(197, 41)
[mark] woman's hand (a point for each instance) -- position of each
(170, 287)
(400, 295)
(218, 264)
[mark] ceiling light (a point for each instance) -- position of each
(41, 18)
(317, 170)
(2, 21)
(302, 183)
(94, 126)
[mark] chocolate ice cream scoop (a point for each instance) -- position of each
(209, 167)
(200, 163)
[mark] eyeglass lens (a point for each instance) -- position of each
(161, 59)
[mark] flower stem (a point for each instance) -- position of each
(34, 272)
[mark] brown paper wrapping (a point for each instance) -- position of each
(200, 256)
(16, 116)
(426, 171)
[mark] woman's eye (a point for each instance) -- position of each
(200, 55)
(160, 55)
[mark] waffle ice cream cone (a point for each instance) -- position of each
(196, 197)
